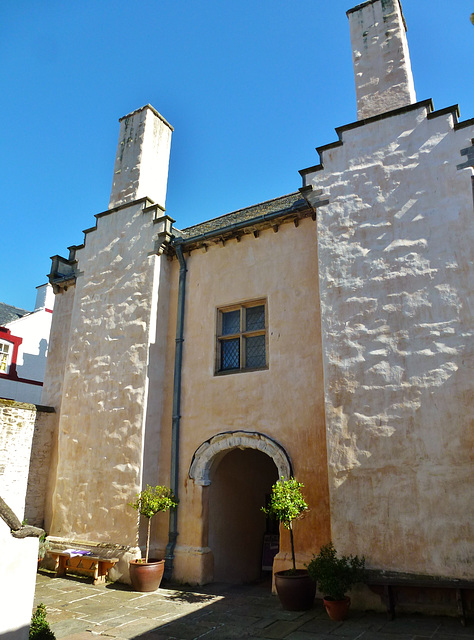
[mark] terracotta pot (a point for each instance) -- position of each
(295, 590)
(337, 609)
(146, 576)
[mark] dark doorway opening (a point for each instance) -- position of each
(239, 485)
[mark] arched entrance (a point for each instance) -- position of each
(239, 469)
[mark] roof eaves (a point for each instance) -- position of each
(228, 231)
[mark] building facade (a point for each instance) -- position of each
(325, 334)
(24, 338)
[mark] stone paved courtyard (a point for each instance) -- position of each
(77, 610)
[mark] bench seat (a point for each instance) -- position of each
(391, 586)
(98, 567)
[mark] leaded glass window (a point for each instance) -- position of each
(241, 337)
(230, 353)
(255, 351)
(230, 322)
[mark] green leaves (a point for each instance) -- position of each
(286, 502)
(39, 628)
(152, 500)
(334, 575)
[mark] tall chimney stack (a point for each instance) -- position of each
(142, 160)
(380, 56)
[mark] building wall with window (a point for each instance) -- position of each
(282, 399)
(324, 334)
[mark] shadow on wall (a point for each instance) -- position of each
(34, 365)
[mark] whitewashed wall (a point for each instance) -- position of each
(104, 391)
(396, 254)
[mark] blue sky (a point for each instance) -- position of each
(251, 89)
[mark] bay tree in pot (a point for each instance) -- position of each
(294, 586)
(335, 576)
(146, 574)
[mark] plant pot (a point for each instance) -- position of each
(337, 609)
(146, 576)
(296, 590)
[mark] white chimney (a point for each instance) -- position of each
(143, 153)
(381, 59)
(44, 297)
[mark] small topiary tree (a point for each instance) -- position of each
(287, 504)
(151, 501)
(39, 627)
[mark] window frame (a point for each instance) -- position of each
(242, 335)
(8, 354)
(15, 342)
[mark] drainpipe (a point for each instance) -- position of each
(178, 359)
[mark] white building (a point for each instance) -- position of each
(24, 347)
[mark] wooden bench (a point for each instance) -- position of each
(390, 586)
(67, 560)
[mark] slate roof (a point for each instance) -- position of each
(9, 313)
(283, 203)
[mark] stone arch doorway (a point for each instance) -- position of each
(238, 469)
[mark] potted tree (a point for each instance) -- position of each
(335, 576)
(295, 588)
(146, 574)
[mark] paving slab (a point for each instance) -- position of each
(78, 610)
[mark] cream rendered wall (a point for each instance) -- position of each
(104, 394)
(53, 384)
(284, 402)
(396, 253)
(58, 348)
